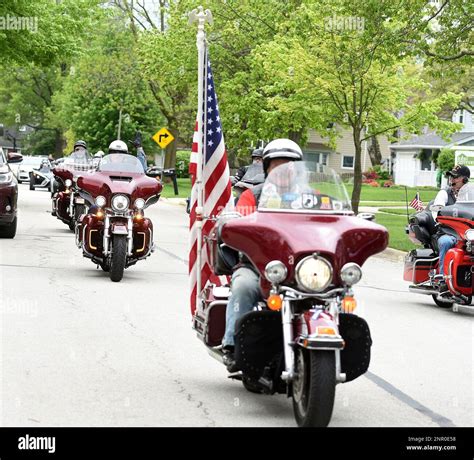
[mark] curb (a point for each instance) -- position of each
(393, 255)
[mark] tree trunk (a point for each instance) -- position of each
(357, 171)
(170, 151)
(374, 151)
(295, 136)
(59, 144)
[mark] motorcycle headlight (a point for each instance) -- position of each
(100, 201)
(469, 235)
(139, 203)
(351, 273)
(120, 203)
(275, 272)
(68, 182)
(313, 273)
(6, 178)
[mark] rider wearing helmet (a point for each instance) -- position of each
(256, 158)
(274, 154)
(245, 283)
(118, 147)
(80, 153)
(457, 177)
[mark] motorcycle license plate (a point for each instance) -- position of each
(120, 230)
(80, 200)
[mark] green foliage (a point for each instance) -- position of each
(446, 160)
(395, 225)
(101, 85)
(182, 163)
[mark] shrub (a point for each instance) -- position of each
(374, 184)
(388, 183)
(446, 160)
(182, 163)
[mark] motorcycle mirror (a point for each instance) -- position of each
(366, 216)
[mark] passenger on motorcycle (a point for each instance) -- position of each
(245, 283)
(458, 176)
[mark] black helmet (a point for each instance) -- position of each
(257, 153)
(80, 144)
(281, 148)
(459, 171)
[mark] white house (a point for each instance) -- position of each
(413, 165)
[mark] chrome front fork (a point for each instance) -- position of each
(71, 204)
(288, 341)
(105, 242)
(130, 235)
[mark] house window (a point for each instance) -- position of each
(319, 158)
(348, 162)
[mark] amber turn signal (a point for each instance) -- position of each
(349, 304)
(274, 302)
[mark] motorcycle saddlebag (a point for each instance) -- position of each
(418, 263)
(258, 342)
(355, 357)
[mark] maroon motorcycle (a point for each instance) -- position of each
(308, 247)
(67, 205)
(115, 234)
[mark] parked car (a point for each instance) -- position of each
(27, 165)
(8, 195)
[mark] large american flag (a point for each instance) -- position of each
(416, 203)
(216, 181)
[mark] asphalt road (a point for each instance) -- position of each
(79, 350)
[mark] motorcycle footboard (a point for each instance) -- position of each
(259, 343)
(355, 357)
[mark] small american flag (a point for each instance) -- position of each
(217, 187)
(416, 203)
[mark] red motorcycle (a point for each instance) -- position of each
(115, 234)
(422, 265)
(308, 247)
(67, 205)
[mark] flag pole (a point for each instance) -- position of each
(201, 17)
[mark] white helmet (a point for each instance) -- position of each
(281, 148)
(118, 147)
(100, 154)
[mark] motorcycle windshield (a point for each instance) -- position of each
(121, 163)
(254, 174)
(301, 187)
(77, 162)
(466, 194)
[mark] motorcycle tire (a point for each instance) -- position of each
(72, 225)
(32, 185)
(314, 388)
(9, 230)
(78, 211)
(441, 303)
(119, 257)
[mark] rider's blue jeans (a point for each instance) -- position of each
(445, 243)
(245, 295)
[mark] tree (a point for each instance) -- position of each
(358, 78)
(26, 94)
(43, 31)
(446, 160)
(100, 86)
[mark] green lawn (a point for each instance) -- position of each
(395, 225)
(184, 188)
(400, 212)
(394, 194)
(378, 204)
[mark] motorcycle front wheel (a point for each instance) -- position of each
(314, 387)
(119, 257)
